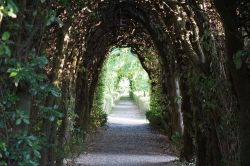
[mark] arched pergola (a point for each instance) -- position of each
(175, 53)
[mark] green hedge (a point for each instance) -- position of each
(110, 100)
(143, 102)
(149, 105)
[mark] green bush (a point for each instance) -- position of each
(154, 117)
(108, 104)
(141, 101)
(116, 96)
(103, 118)
(177, 142)
(98, 117)
(74, 146)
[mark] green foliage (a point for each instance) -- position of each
(177, 141)
(123, 65)
(157, 105)
(19, 148)
(141, 99)
(21, 117)
(22, 75)
(109, 100)
(154, 117)
(4, 50)
(75, 146)
(238, 58)
(5, 36)
(8, 8)
(98, 115)
(52, 18)
(51, 112)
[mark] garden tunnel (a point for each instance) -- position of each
(52, 54)
(111, 31)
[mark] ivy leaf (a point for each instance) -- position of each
(32, 137)
(5, 50)
(29, 142)
(26, 121)
(18, 121)
(37, 153)
(55, 93)
(51, 18)
(51, 118)
(3, 146)
(13, 74)
(11, 14)
(12, 6)
(43, 61)
(40, 61)
(5, 36)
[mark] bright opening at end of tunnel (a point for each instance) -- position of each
(122, 76)
(126, 121)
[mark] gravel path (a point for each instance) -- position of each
(127, 140)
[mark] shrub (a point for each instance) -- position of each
(108, 104)
(74, 145)
(98, 117)
(141, 101)
(154, 117)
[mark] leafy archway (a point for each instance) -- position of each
(121, 65)
(52, 53)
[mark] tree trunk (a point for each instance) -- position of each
(64, 124)
(82, 100)
(24, 103)
(188, 146)
(175, 112)
(200, 132)
(240, 77)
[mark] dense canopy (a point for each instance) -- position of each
(53, 56)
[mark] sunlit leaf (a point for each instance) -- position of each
(13, 74)
(18, 121)
(55, 93)
(5, 36)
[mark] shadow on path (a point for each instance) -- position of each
(127, 140)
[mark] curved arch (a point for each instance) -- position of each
(103, 36)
